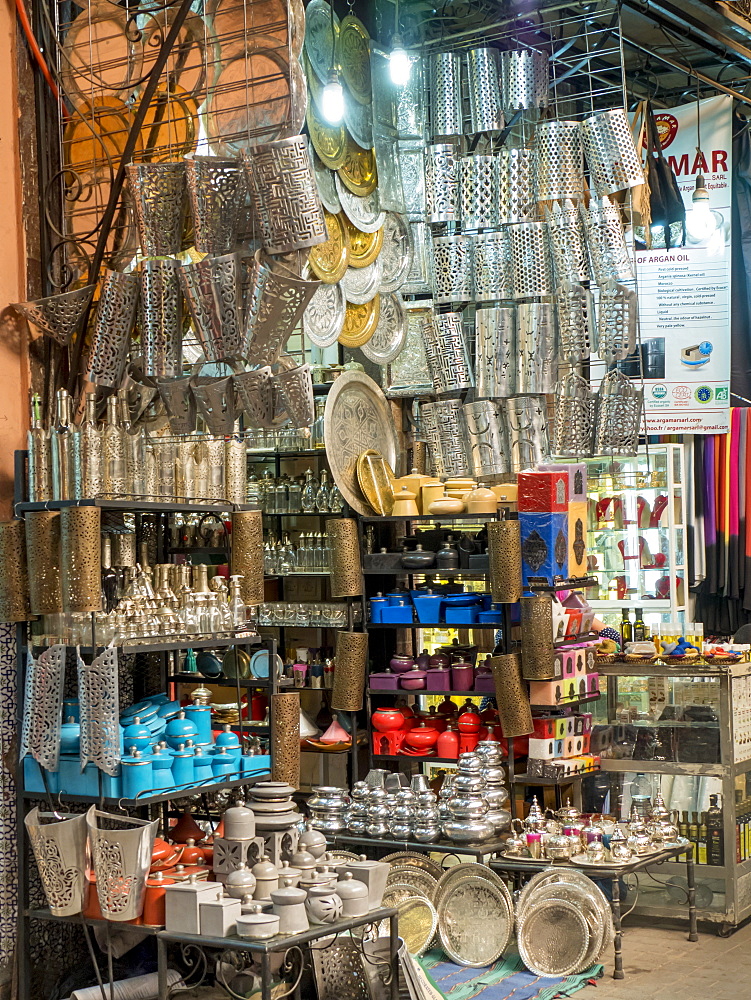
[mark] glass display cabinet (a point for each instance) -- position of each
(683, 732)
(636, 533)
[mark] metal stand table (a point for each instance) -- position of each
(388, 845)
(291, 946)
(521, 867)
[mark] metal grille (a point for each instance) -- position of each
(232, 79)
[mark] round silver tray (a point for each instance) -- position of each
(357, 417)
(390, 334)
(475, 923)
(323, 318)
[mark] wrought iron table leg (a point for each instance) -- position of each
(618, 970)
(394, 950)
(265, 977)
(692, 932)
(161, 960)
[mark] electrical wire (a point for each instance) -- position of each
(23, 17)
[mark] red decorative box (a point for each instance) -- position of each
(543, 492)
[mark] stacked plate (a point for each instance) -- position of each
(475, 915)
(563, 923)
(411, 887)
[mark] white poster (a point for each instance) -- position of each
(684, 292)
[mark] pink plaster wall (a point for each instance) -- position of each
(14, 366)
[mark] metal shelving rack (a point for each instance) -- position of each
(732, 880)
(157, 803)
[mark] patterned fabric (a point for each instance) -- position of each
(611, 633)
(8, 753)
(508, 979)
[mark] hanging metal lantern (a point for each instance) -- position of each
(495, 352)
(446, 94)
(613, 160)
(573, 422)
(517, 197)
(567, 243)
(617, 416)
(530, 260)
(608, 252)
(452, 269)
(446, 418)
(524, 80)
(486, 438)
(526, 421)
(536, 348)
(575, 309)
(447, 354)
(491, 266)
(483, 81)
(559, 162)
(617, 315)
(478, 185)
(441, 183)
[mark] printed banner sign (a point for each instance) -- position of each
(684, 292)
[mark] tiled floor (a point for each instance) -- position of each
(660, 963)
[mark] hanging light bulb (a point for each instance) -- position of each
(332, 99)
(700, 220)
(400, 66)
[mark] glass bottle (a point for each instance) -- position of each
(693, 833)
(641, 632)
(336, 500)
(238, 610)
(319, 557)
(109, 576)
(91, 450)
(309, 491)
(133, 441)
(627, 629)
(286, 558)
(294, 496)
(322, 496)
(113, 453)
(61, 447)
(253, 493)
(715, 844)
(316, 431)
(701, 845)
(40, 479)
(280, 496)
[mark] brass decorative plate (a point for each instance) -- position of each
(357, 417)
(390, 335)
(170, 126)
(330, 260)
(353, 57)
(363, 247)
(417, 924)
(376, 479)
(97, 130)
(360, 321)
(319, 44)
(358, 169)
(359, 121)
(329, 141)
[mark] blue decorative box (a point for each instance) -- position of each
(544, 541)
(32, 776)
(461, 616)
(72, 781)
(397, 614)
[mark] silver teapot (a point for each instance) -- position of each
(558, 847)
(596, 852)
(515, 843)
(535, 820)
(620, 850)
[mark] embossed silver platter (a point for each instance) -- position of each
(357, 417)
(319, 44)
(421, 881)
(364, 213)
(415, 860)
(360, 284)
(396, 252)
(553, 938)
(475, 924)
(325, 183)
(323, 318)
(359, 120)
(391, 333)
